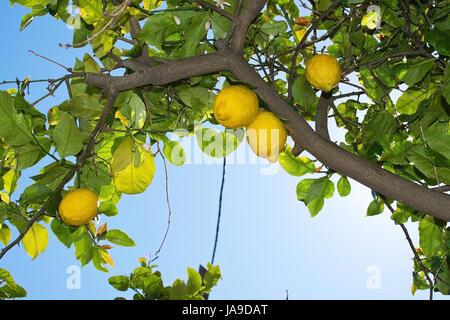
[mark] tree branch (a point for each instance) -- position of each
(213, 7)
(382, 181)
(247, 15)
(322, 115)
(80, 161)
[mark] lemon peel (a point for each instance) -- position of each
(78, 207)
(323, 72)
(235, 106)
(267, 136)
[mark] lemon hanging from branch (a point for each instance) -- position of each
(323, 72)
(267, 136)
(78, 207)
(132, 166)
(235, 106)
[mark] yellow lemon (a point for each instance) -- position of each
(323, 72)
(235, 106)
(267, 135)
(78, 207)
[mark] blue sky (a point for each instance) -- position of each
(268, 242)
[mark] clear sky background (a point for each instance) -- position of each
(268, 242)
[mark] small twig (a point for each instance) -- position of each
(213, 7)
(336, 112)
(411, 245)
(442, 188)
(52, 61)
(167, 199)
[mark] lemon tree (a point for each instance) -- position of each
(378, 69)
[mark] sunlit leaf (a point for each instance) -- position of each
(35, 240)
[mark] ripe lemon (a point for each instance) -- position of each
(267, 135)
(78, 207)
(235, 106)
(323, 72)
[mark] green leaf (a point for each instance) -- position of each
(173, 151)
(443, 279)
(29, 154)
(430, 236)
(219, 25)
(120, 238)
(138, 113)
(440, 40)
(10, 181)
(108, 208)
(303, 93)
(196, 97)
(104, 43)
(35, 240)
(152, 32)
(64, 233)
(97, 260)
(380, 129)
(120, 283)
(273, 27)
(420, 159)
(343, 186)
(385, 74)
(195, 33)
(10, 288)
(416, 71)
(194, 282)
(178, 290)
(35, 194)
(396, 152)
(38, 10)
(401, 213)
(303, 188)
(13, 127)
(375, 207)
(321, 188)
(83, 106)
(409, 101)
(91, 10)
(84, 246)
(67, 136)
(212, 276)
(219, 144)
(446, 86)
(5, 234)
(438, 138)
(89, 64)
(296, 166)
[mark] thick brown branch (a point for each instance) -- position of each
(162, 74)
(248, 14)
(336, 158)
(322, 115)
